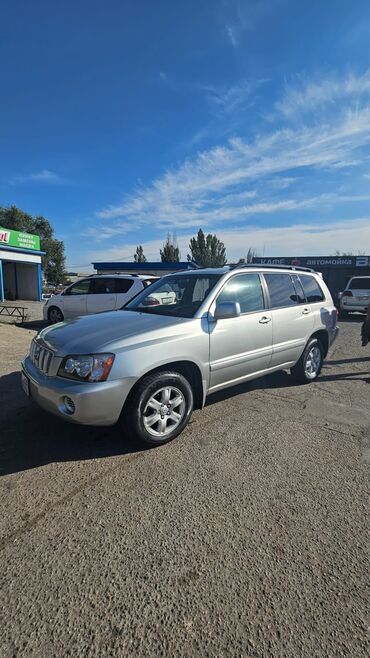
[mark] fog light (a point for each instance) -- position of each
(69, 405)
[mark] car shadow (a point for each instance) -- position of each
(358, 318)
(283, 379)
(338, 362)
(37, 325)
(30, 437)
(280, 379)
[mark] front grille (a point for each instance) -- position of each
(41, 357)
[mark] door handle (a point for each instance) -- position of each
(265, 320)
(306, 311)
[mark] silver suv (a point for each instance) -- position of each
(148, 366)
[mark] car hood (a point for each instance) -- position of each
(107, 331)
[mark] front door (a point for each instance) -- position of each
(75, 299)
(241, 346)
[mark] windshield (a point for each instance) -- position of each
(178, 295)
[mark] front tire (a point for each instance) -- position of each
(160, 408)
(308, 368)
(55, 315)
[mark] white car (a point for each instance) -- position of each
(355, 296)
(95, 294)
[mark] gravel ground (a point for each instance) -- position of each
(247, 536)
(33, 312)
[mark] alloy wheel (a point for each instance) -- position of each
(164, 411)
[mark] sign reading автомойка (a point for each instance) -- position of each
(19, 239)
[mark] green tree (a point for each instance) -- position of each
(207, 251)
(53, 262)
(170, 252)
(139, 256)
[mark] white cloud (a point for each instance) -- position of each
(226, 101)
(296, 240)
(205, 190)
(230, 31)
(306, 96)
(228, 185)
(43, 176)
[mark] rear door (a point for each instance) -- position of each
(241, 346)
(102, 295)
(292, 318)
(360, 288)
(75, 299)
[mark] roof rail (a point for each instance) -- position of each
(274, 267)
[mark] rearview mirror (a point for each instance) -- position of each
(226, 310)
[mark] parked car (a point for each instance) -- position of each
(95, 294)
(355, 296)
(148, 366)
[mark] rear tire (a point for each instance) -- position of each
(160, 408)
(308, 368)
(55, 315)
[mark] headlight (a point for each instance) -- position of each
(88, 368)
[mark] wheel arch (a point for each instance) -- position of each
(323, 337)
(188, 369)
(56, 306)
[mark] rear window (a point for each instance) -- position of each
(123, 285)
(281, 290)
(311, 289)
(359, 284)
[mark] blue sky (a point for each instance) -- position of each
(121, 121)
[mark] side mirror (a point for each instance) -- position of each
(226, 310)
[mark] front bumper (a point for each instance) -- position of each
(97, 403)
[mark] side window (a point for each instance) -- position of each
(123, 285)
(301, 298)
(281, 289)
(245, 289)
(102, 286)
(80, 288)
(311, 288)
(147, 282)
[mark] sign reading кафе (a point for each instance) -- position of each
(18, 239)
(316, 261)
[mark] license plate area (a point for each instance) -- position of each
(25, 384)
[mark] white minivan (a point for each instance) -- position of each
(95, 294)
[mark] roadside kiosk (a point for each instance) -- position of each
(20, 266)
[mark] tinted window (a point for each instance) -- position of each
(301, 299)
(80, 288)
(123, 285)
(359, 284)
(102, 286)
(245, 289)
(281, 289)
(311, 289)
